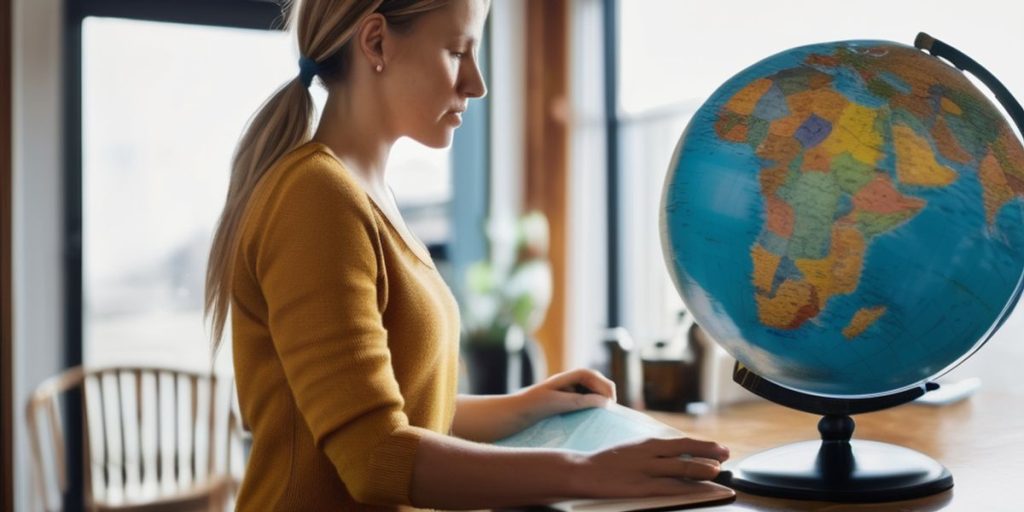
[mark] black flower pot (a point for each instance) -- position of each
(487, 366)
(501, 366)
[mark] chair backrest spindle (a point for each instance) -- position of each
(128, 381)
(150, 439)
(113, 437)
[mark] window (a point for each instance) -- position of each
(163, 105)
(672, 55)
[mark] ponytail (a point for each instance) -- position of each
(281, 124)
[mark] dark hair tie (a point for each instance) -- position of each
(308, 68)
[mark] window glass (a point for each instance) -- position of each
(163, 107)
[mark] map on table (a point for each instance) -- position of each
(590, 430)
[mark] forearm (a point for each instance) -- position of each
(488, 418)
(451, 473)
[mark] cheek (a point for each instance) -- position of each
(433, 89)
(420, 92)
(435, 73)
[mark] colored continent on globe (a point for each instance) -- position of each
(848, 145)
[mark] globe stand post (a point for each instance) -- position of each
(837, 468)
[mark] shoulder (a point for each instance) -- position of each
(308, 188)
(311, 174)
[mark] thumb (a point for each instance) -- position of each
(577, 401)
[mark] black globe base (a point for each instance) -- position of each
(838, 469)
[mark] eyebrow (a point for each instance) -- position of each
(465, 38)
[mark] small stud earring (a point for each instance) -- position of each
(380, 67)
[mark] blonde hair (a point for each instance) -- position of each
(283, 122)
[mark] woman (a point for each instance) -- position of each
(345, 338)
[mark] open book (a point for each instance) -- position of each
(592, 430)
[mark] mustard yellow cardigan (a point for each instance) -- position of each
(345, 343)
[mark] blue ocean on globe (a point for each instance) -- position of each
(846, 218)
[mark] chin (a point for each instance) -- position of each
(438, 140)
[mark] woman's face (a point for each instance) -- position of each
(433, 71)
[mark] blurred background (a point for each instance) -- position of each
(120, 118)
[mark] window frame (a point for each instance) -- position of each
(612, 170)
(230, 13)
(7, 398)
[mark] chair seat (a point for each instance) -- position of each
(206, 496)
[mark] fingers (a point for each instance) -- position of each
(598, 384)
(574, 401)
(692, 447)
(670, 486)
(696, 468)
(589, 379)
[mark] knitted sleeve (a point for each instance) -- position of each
(319, 265)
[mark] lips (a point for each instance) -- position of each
(455, 114)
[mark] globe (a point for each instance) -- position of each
(845, 219)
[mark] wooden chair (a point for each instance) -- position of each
(154, 439)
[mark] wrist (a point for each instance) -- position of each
(522, 407)
(577, 467)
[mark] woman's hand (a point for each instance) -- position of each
(491, 417)
(451, 473)
(564, 392)
(648, 468)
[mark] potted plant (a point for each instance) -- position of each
(506, 298)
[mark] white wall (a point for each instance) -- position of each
(507, 131)
(587, 311)
(508, 67)
(37, 213)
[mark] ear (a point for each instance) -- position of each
(370, 38)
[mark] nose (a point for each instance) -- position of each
(472, 83)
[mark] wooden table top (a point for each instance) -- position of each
(980, 440)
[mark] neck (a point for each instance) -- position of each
(354, 131)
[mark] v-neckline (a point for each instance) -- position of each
(405, 235)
